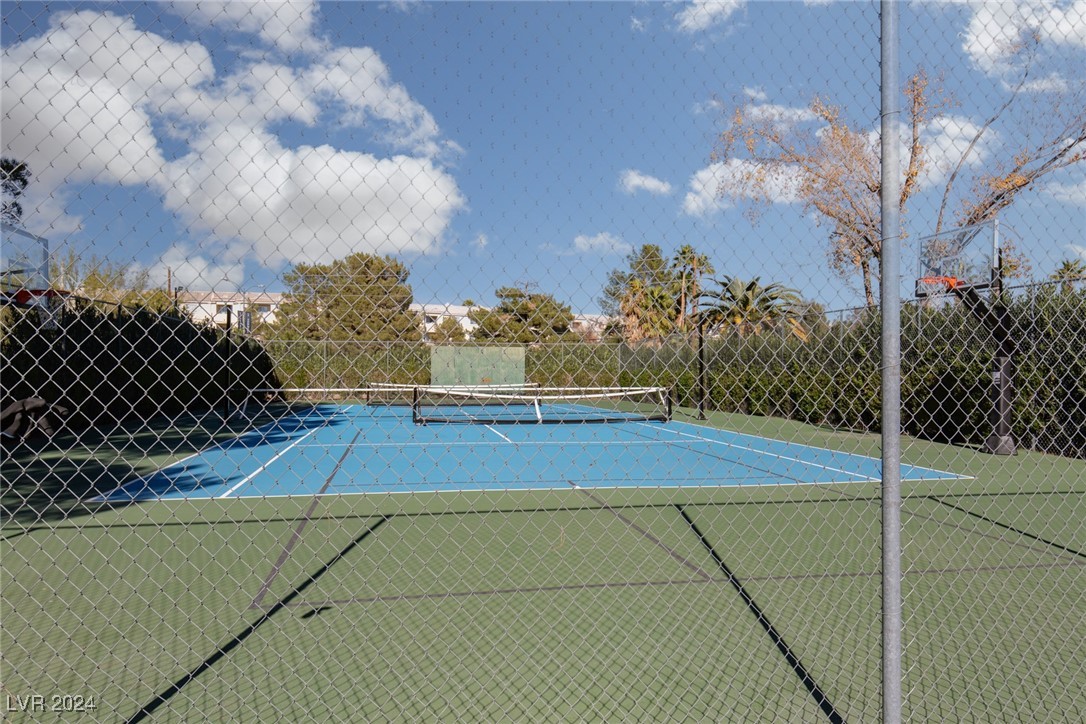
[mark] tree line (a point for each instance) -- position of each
(367, 297)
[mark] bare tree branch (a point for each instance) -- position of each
(979, 134)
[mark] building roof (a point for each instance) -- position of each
(197, 297)
(443, 310)
(598, 319)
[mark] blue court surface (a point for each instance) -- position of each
(357, 449)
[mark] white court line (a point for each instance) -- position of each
(264, 467)
(503, 437)
(696, 426)
(523, 443)
(765, 453)
(103, 497)
(143, 478)
(565, 485)
(803, 445)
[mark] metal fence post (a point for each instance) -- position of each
(891, 372)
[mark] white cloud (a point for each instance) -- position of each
(90, 99)
(187, 267)
(78, 101)
(637, 25)
(633, 181)
(1051, 83)
(352, 84)
(1069, 193)
(782, 117)
(701, 15)
(712, 106)
(358, 80)
(310, 204)
(406, 6)
(946, 139)
(602, 243)
(756, 94)
(287, 26)
(1077, 250)
(997, 29)
(702, 199)
(481, 242)
(260, 92)
(992, 35)
(1065, 24)
(714, 188)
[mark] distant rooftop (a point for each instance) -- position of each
(198, 297)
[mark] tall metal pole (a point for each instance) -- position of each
(1001, 439)
(701, 371)
(227, 411)
(891, 370)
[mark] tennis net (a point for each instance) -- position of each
(490, 406)
(377, 394)
(291, 400)
(396, 395)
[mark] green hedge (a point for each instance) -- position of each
(947, 355)
(111, 364)
(832, 379)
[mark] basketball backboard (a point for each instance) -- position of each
(959, 258)
(24, 259)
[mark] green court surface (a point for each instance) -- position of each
(722, 604)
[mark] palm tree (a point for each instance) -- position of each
(1068, 272)
(750, 308)
(691, 266)
(631, 308)
(658, 320)
(646, 311)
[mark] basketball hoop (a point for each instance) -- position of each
(959, 260)
(933, 285)
(46, 302)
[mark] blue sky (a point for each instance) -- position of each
(485, 144)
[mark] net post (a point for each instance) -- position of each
(416, 404)
(227, 410)
(891, 368)
(701, 375)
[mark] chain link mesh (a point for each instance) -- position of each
(242, 241)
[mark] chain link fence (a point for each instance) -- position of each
(519, 361)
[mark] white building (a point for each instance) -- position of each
(433, 315)
(590, 326)
(212, 306)
(264, 306)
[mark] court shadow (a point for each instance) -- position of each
(43, 485)
(287, 427)
(50, 479)
(196, 481)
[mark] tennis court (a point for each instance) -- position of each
(350, 448)
(279, 572)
